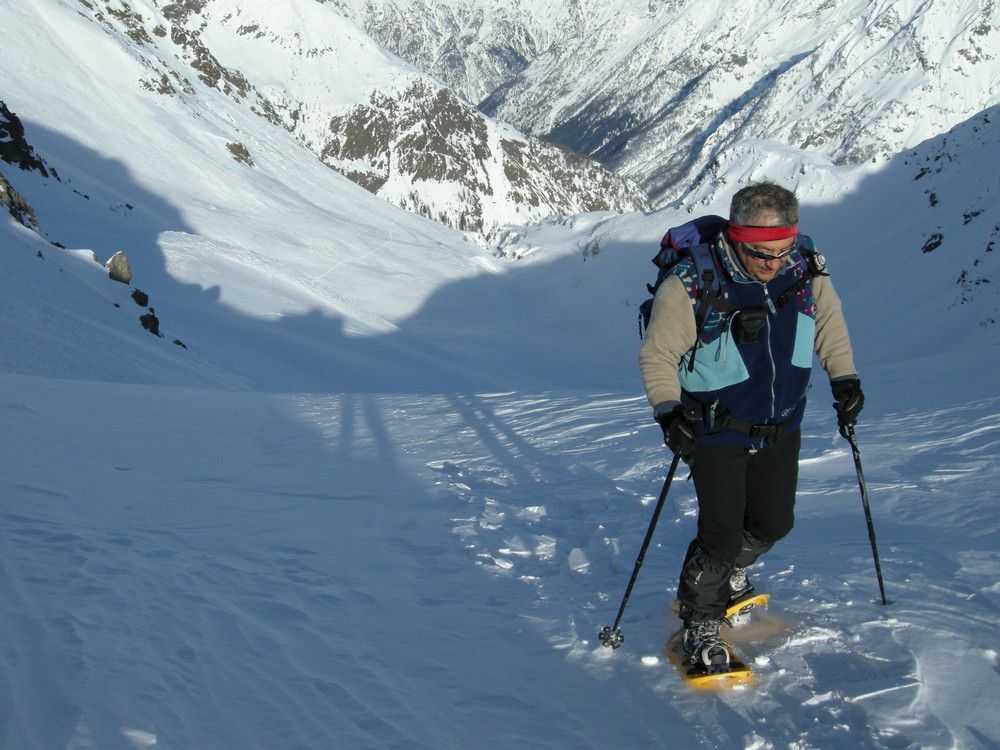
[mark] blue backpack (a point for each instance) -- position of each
(692, 239)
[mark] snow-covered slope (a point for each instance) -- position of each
(216, 244)
(365, 113)
(195, 569)
(223, 214)
(658, 90)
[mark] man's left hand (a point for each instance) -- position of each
(850, 400)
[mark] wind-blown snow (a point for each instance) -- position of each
(394, 486)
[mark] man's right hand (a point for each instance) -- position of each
(678, 431)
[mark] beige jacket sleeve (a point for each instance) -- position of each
(672, 333)
(833, 344)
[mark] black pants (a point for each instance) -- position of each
(746, 503)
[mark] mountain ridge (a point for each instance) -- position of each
(660, 92)
(333, 77)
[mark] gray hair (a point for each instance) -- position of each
(754, 202)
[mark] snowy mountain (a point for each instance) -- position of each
(368, 484)
(431, 153)
(476, 46)
(658, 90)
(396, 131)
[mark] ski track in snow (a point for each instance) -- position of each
(842, 671)
(243, 570)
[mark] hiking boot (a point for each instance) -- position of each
(703, 644)
(739, 587)
(740, 590)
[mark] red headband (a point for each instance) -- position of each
(738, 233)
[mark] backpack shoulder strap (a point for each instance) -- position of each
(711, 292)
(710, 288)
(815, 266)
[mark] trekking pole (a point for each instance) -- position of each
(611, 636)
(848, 433)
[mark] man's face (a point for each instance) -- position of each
(764, 259)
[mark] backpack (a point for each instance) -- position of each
(689, 240)
(694, 239)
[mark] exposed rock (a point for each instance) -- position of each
(240, 153)
(16, 205)
(404, 148)
(14, 149)
(151, 323)
(118, 268)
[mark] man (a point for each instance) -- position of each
(730, 396)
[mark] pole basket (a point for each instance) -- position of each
(611, 637)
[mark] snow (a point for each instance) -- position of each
(209, 569)
(853, 80)
(393, 487)
(255, 35)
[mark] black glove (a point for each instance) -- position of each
(678, 431)
(850, 400)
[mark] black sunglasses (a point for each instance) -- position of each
(770, 256)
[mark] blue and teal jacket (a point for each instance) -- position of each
(749, 371)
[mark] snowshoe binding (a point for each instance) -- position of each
(704, 659)
(742, 599)
(705, 647)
